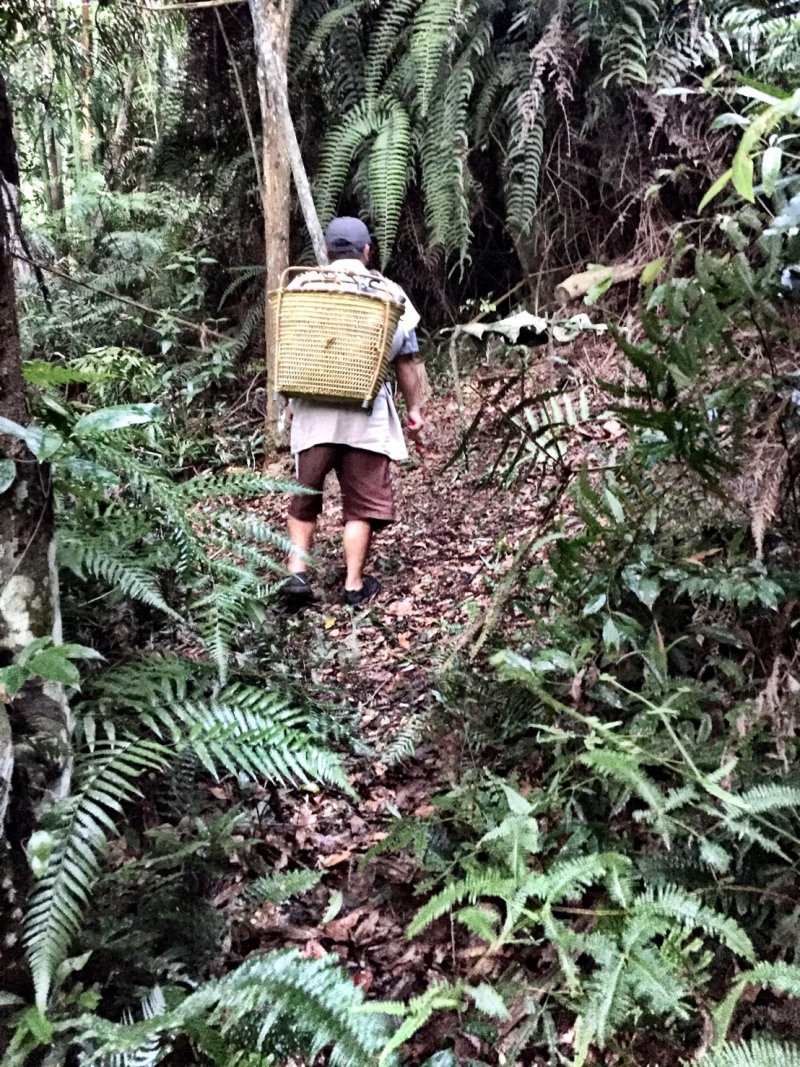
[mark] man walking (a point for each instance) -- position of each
(356, 444)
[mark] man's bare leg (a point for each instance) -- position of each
(301, 534)
(357, 538)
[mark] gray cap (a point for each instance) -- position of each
(347, 233)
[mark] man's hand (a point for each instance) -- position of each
(415, 423)
(408, 380)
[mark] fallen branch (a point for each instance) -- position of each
(579, 284)
(199, 327)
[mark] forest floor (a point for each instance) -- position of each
(446, 569)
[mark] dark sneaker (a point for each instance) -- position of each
(370, 589)
(298, 588)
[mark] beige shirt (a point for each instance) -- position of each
(376, 431)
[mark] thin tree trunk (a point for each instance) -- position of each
(117, 146)
(281, 155)
(35, 750)
(87, 136)
(53, 175)
(54, 169)
(44, 168)
(38, 716)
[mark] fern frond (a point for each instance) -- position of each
(252, 321)
(324, 28)
(430, 37)
(388, 174)
(402, 745)
(760, 1052)
(783, 977)
(384, 39)
(105, 559)
(673, 902)
(268, 742)
(219, 613)
(771, 797)
(264, 1000)
(153, 1050)
(524, 169)
(280, 887)
(569, 879)
(140, 684)
(444, 150)
(764, 509)
(337, 154)
(244, 484)
(247, 528)
(105, 779)
(484, 883)
(624, 768)
(244, 275)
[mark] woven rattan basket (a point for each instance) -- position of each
(332, 345)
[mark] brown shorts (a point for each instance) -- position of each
(363, 478)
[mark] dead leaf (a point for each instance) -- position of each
(364, 979)
(339, 929)
(401, 608)
(336, 858)
(313, 950)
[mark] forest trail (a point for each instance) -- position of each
(441, 566)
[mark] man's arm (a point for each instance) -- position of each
(408, 383)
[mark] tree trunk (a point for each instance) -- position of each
(44, 168)
(48, 24)
(281, 155)
(35, 752)
(56, 180)
(87, 136)
(117, 146)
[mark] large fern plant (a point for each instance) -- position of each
(432, 88)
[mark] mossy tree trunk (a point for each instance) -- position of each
(35, 753)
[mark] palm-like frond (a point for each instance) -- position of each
(280, 998)
(388, 174)
(760, 1052)
(105, 780)
(109, 559)
(279, 887)
(430, 36)
(338, 151)
(385, 37)
(249, 732)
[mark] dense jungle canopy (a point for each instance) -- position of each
(536, 804)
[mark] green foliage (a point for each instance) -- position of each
(388, 173)
(274, 1001)
(249, 732)
(644, 834)
(78, 831)
(156, 526)
(280, 887)
(468, 93)
(761, 1052)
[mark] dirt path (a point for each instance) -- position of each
(440, 566)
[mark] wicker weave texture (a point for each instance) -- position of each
(331, 346)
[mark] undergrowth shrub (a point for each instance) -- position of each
(122, 866)
(631, 864)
